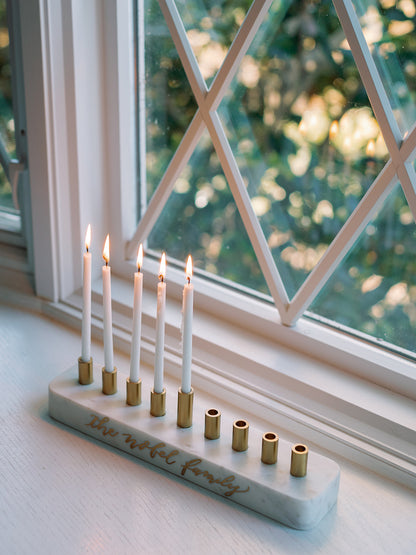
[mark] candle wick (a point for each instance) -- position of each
(189, 280)
(87, 249)
(161, 278)
(106, 263)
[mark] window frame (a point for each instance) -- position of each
(339, 391)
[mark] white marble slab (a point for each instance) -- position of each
(240, 477)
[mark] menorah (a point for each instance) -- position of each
(285, 482)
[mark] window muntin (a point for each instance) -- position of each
(389, 29)
(359, 173)
(211, 28)
(167, 98)
(200, 217)
(300, 123)
(379, 271)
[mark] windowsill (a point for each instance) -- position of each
(138, 503)
(316, 400)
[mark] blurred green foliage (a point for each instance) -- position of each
(308, 147)
(6, 109)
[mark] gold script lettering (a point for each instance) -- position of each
(98, 423)
(227, 482)
(158, 450)
(155, 450)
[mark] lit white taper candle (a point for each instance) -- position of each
(187, 315)
(86, 291)
(108, 321)
(137, 319)
(160, 327)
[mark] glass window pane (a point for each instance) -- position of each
(389, 29)
(211, 28)
(303, 132)
(168, 99)
(201, 218)
(7, 136)
(308, 147)
(374, 289)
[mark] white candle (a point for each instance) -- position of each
(187, 314)
(160, 327)
(137, 319)
(86, 310)
(108, 323)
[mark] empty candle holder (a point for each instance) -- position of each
(185, 408)
(133, 392)
(240, 435)
(299, 460)
(212, 424)
(158, 403)
(85, 371)
(269, 447)
(109, 381)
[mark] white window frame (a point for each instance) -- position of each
(337, 391)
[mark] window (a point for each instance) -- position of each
(79, 70)
(272, 164)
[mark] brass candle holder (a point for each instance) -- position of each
(109, 381)
(158, 403)
(85, 371)
(212, 424)
(240, 435)
(185, 408)
(133, 392)
(299, 460)
(270, 443)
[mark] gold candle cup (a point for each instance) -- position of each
(299, 460)
(185, 408)
(158, 403)
(212, 424)
(85, 371)
(269, 447)
(133, 392)
(240, 435)
(109, 381)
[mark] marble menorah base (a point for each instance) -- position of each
(240, 477)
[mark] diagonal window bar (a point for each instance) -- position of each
(343, 242)
(399, 167)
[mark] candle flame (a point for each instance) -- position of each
(88, 237)
(139, 257)
(302, 127)
(162, 269)
(333, 130)
(106, 250)
(188, 271)
(371, 148)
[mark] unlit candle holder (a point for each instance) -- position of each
(269, 446)
(191, 453)
(212, 424)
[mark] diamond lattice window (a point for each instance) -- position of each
(277, 147)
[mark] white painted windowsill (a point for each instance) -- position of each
(65, 492)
